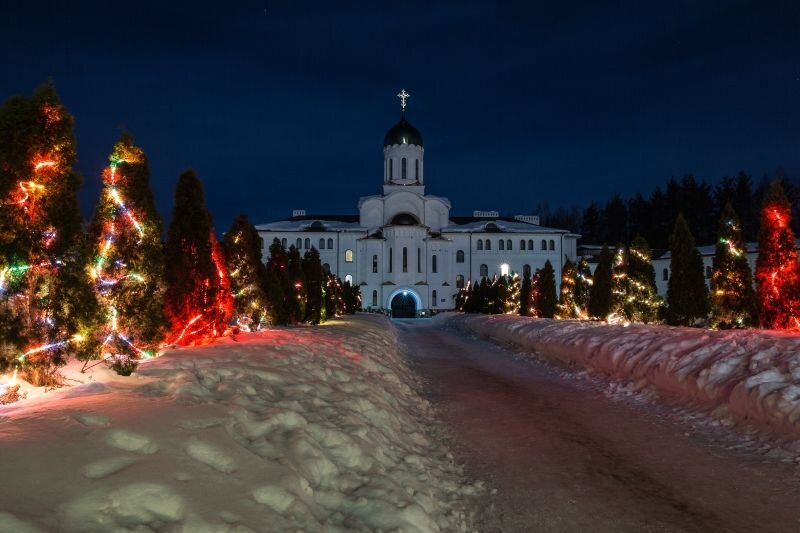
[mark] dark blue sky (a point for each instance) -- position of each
(282, 105)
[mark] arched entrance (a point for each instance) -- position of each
(404, 306)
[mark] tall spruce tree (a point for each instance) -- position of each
(127, 268)
(547, 301)
(297, 288)
(733, 300)
(525, 293)
(583, 287)
(638, 299)
(777, 272)
(47, 306)
(314, 278)
(248, 274)
(567, 306)
(278, 286)
(512, 300)
(198, 302)
(334, 297)
(600, 296)
(351, 294)
(687, 294)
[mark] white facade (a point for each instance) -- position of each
(405, 247)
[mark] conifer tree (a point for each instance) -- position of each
(732, 295)
(535, 295)
(127, 268)
(600, 296)
(619, 282)
(248, 274)
(198, 302)
(583, 288)
(512, 300)
(47, 306)
(567, 306)
(278, 286)
(638, 299)
(776, 268)
(525, 293)
(687, 294)
(334, 297)
(547, 301)
(297, 288)
(314, 277)
(351, 295)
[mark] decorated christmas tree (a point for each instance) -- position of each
(297, 303)
(583, 288)
(278, 287)
(47, 307)
(776, 268)
(351, 294)
(567, 306)
(535, 295)
(512, 297)
(248, 274)
(198, 302)
(314, 277)
(127, 269)
(687, 294)
(635, 294)
(600, 295)
(732, 296)
(334, 297)
(547, 300)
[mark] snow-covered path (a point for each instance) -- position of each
(563, 456)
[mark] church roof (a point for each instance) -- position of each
(402, 133)
(495, 225)
(314, 223)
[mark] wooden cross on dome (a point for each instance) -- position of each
(403, 96)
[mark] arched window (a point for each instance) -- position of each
(544, 245)
(509, 244)
(374, 264)
(284, 243)
(708, 272)
(434, 297)
(488, 244)
(375, 298)
(391, 170)
(298, 243)
(405, 259)
(403, 168)
(348, 279)
(526, 271)
(419, 260)
(308, 244)
(322, 244)
(460, 281)
(501, 245)
(530, 244)
(484, 271)
(504, 269)
(348, 256)
(480, 244)
(433, 264)
(666, 274)
(391, 260)
(552, 244)
(416, 171)
(460, 256)
(330, 244)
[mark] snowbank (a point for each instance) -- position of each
(309, 428)
(750, 377)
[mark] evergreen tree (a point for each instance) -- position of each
(567, 306)
(351, 295)
(583, 288)
(547, 301)
(600, 298)
(334, 300)
(198, 302)
(314, 277)
(525, 293)
(498, 291)
(535, 295)
(776, 267)
(248, 274)
(128, 265)
(278, 286)
(687, 294)
(47, 306)
(511, 305)
(636, 297)
(732, 296)
(297, 289)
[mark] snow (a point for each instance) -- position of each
(749, 377)
(308, 428)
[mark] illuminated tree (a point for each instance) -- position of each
(334, 297)
(776, 267)
(297, 289)
(314, 278)
(547, 300)
(732, 296)
(511, 304)
(567, 307)
(47, 307)
(278, 287)
(600, 295)
(687, 294)
(535, 295)
(351, 294)
(248, 274)
(635, 294)
(583, 288)
(198, 302)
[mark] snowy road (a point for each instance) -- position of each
(563, 456)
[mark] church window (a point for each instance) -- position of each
(488, 244)
(416, 169)
(391, 255)
(666, 274)
(434, 297)
(544, 245)
(348, 256)
(391, 170)
(526, 271)
(504, 269)
(330, 244)
(552, 244)
(501, 245)
(508, 244)
(403, 168)
(480, 244)
(433, 264)
(283, 243)
(375, 298)
(405, 259)
(419, 260)
(530, 244)
(298, 243)
(522, 244)
(308, 244)
(460, 256)
(349, 279)
(374, 264)
(460, 281)
(322, 244)
(484, 271)
(326, 267)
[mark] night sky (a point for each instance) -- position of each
(284, 105)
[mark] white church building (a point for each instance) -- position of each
(405, 250)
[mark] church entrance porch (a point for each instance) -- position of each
(404, 306)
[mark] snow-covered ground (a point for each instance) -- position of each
(749, 377)
(301, 429)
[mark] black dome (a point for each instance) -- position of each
(402, 133)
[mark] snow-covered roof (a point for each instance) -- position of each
(495, 225)
(314, 223)
(711, 249)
